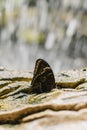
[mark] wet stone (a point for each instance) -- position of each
(66, 103)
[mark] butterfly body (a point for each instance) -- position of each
(43, 79)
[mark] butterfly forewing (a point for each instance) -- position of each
(39, 66)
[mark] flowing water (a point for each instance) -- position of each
(44, 29)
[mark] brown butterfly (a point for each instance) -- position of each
(43, 79)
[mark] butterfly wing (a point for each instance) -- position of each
(39, 66)
(43, 79)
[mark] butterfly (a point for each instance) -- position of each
(43, 78)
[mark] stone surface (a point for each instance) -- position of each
(64, 108)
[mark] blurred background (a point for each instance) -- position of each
(55, 30)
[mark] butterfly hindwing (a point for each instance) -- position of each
(43, 79)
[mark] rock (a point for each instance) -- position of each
(63, 108)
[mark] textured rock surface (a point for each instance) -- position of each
(64, 108)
